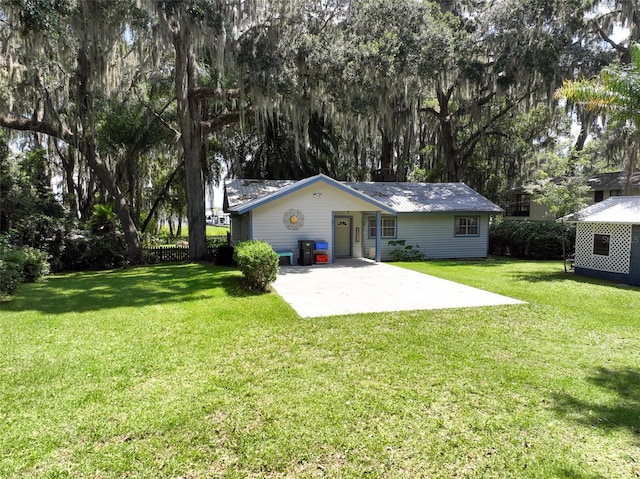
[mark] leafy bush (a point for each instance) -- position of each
(19, 265)
(531, 239)
(11, 274)
(30, 213)
(105, 252)
(217, 241)
(88, 252)
(42, 232)
(34, 264)
(405, 252)
(103, 219)
(258, 263)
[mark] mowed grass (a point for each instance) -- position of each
(177, 371)
(211, 230)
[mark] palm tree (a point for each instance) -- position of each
(616, 94)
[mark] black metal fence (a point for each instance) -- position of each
(174, 254)
(180, 254)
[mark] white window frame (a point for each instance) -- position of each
(466, 226)
(389, 223)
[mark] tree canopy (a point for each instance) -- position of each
(615, 93)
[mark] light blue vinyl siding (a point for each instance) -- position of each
(318, 204)
(240, 228)
(435, 236)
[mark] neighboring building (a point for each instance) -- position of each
(608, 239)
(218, 218)
(445, 220)
(523, 206)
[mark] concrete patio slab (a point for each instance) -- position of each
(363, 286)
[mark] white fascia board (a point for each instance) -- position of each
(250, 205)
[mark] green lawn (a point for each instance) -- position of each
(176, 371)
(211, 230)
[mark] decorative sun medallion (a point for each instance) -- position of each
(293, 219)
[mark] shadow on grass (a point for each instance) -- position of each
(561, 276)
(621, 413)
(571, 474)
(506, 262)
(546, 276)
(491, 261)
(140, 286)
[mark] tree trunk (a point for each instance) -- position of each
(448, 149)
(446, 136)
(160, 196)
(585, 123)
(387, 151)
(68, 161)
(122, 209)
(630, 167)
(191, 137)
(132, 183)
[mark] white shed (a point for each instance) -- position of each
(608, 239)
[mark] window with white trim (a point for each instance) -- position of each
(467, 226)
(387, 227)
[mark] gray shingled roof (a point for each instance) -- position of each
(612, 181)
(400, 197)
(427, 197)
(239, 191)
(617, 209)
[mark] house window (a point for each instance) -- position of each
(598, 196)
(467, 225)
(387, 229)
(601, 244)
(519, 205)
(615, 193)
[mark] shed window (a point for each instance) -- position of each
(601, 244)
(467, 225)
(387, 229)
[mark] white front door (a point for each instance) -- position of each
(342, 229)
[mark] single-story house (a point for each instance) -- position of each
(608, 239)
(522, 205)
(351, 219)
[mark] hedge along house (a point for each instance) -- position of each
(353, 220)
(608, 239)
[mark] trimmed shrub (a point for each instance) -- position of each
(531, 239)
(258, 263)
